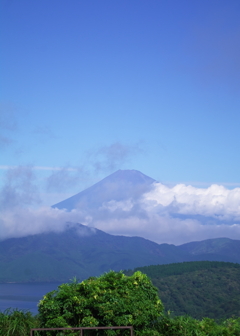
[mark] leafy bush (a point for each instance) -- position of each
(188, 326)
(112, 299)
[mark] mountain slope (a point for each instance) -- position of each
(220, 249)
(199, 289)
(83, 251)
(79, 251)
(123, 184)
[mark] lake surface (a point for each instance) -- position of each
(24, 296)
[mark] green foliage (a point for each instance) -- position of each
(19, 323)
(14, 322)
(198, 289)
(162, 271)
(112, 299)
(187, 326)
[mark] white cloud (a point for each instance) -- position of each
(117, 205)
(174, 215)
(215, 201)
(167, 229)
(21, 222)
(161, 229)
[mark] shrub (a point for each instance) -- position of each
(112, 299)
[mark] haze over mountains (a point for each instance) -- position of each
(127, 203)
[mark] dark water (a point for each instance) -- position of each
(24, 296)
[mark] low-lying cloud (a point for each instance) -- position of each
(173, 215)
(165, 215)
(20, 211)
(23, 222)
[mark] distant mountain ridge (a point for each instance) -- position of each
(219, 249)
(79, 251)
(83, 252)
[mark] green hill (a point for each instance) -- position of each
(199, 289)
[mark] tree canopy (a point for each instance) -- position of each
(112, 299)
(197, 289)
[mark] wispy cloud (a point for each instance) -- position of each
(112, 157)
(19, 188)
(44, 131)
(65, 178)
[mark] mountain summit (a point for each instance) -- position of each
(121, 185)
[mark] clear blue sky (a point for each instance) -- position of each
(101, 85)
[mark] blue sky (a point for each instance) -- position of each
(95, 86)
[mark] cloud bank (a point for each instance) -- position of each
(165, 215)
(174, 215)
(23, 222)
(216, 201)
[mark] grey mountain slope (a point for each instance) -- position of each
(219, 249)
(83, 252)
(122, 184)
(79, 251)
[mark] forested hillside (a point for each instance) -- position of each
(199, 289)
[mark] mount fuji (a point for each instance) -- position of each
(119, 186)
(85, 250)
